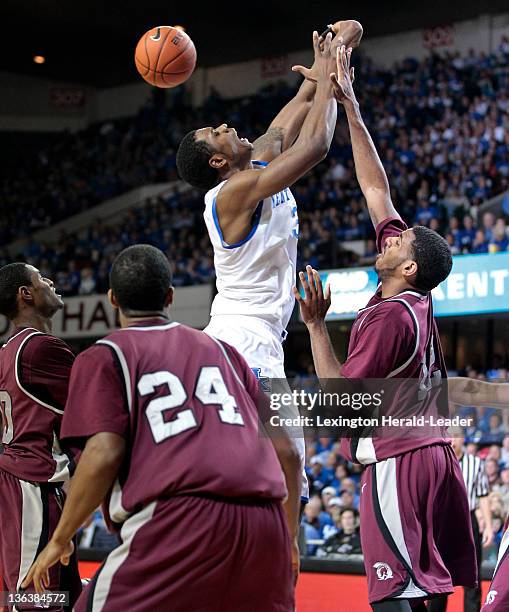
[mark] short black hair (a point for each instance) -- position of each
(140, 278)
(193, 162)
(12, 277)
(433, 257)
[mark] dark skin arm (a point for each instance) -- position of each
(286, 126)
(313, 308)
(238, 199)
(368, 167)
(289, 459)
(95, 474)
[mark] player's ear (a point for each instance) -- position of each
(25, 295)
(217, 162)
(169, 298)
(409, 269)
(112, 299)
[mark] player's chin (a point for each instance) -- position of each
(58, 301)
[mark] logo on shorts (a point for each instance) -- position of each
(383, 571)
(490, 597)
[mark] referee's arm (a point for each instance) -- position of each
(484, 506)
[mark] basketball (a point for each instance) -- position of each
(165, 56)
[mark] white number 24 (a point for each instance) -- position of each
(210, 389)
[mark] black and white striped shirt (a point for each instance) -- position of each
(475, 479)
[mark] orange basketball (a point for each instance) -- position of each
(165, 56)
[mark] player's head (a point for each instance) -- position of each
(205, 156)
(418, 256)
(23, 290)
(140, 281)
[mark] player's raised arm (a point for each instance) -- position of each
(245, 189)
(368, 167)
(287, 124)
(313, 308)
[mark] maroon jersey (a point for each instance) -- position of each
(34, 377)
(395, 337)
(185, 404)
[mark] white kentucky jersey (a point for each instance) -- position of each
(255, 276)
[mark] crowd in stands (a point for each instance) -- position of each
(441, 126)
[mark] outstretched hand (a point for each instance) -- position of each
(315, 303)
(343, 80)
(323, 54)
(39, 572)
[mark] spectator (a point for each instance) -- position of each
(347, 540)
(87, 282)
(492, 472)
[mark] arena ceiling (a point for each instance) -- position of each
(92, 41)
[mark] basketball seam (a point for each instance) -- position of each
(140, 65)
(148, 56)
(176, 56)
(160, 71)
(161, 47)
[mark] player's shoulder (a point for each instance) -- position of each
(176, 332)
(393, 313)
(239, 182)
(39, 345)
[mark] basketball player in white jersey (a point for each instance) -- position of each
(251, 214)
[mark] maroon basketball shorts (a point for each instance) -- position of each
(416, 532)
(29, 514)
(195, 553)
(497, 599)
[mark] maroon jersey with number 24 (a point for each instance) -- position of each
(186, 405)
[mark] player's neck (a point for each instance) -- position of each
(35, 321)
(247, 165)
(136, 319)
(391, 287)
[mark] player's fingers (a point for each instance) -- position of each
(38, 582)
(327, 292)
(311, 281)
(297, 294)
(45, 580)
(352, 74)
(307, 73)
(327, 43)
(318, 283)
(316, 42)
(338, 61)
(349, 56)
(305, 286)
(344, 60)
(29, 578)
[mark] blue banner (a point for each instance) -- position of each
(478, 284)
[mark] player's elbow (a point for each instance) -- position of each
(106, 449)
(289, 456)
(319, 148)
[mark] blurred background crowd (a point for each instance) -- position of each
(441, 126)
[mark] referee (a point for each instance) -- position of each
(477, 486)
